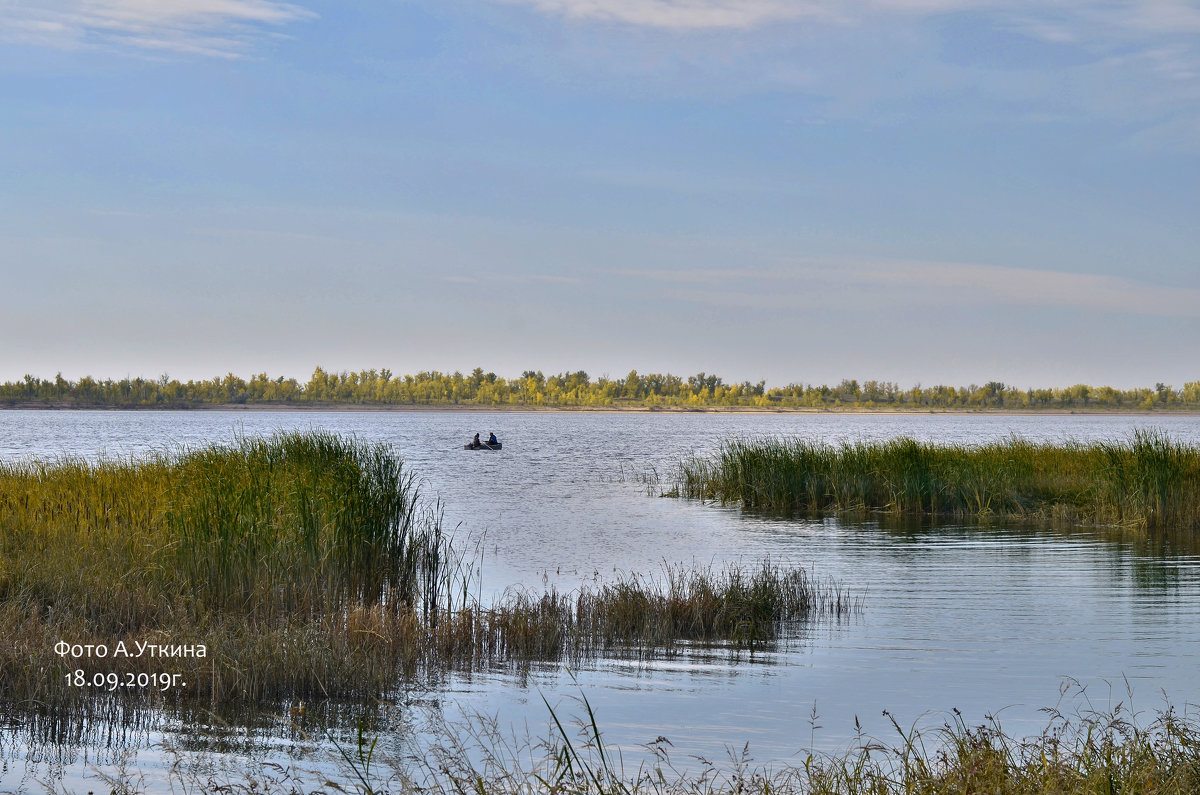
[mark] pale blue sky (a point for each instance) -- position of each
(913, 190)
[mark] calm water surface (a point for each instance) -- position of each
(983, 620)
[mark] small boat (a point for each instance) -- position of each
(484, 446)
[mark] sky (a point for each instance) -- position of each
(920, 191)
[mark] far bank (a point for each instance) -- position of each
(507, 408)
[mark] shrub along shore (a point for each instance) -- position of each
(306, 564)
(1150, 482)
(381, 389)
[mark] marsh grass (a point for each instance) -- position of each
(307, 564)
(1080, 751)
(736, 607)
(1085, 753)
(1150, 482)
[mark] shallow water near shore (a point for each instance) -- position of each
(982, 619)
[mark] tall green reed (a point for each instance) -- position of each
(1149, 482)
(303, 522)
(306, 562)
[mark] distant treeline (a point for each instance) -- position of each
(578, 389)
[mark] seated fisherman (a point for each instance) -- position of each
(475, 441)
(492, 438)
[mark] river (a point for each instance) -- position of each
(991, 620)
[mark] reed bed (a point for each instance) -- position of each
(736, 607)
(279, 556)
(305, 565)
(1149, 482)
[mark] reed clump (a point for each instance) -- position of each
(304, 564)
(1149, 482)
(734, 606)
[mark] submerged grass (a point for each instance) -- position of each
(305, 564)
(1150, 482)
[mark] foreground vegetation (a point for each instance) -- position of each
(577, 390)
(304, 564)
(1149, 482)
(1081, 753)
(1088, 754)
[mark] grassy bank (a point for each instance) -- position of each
(304, 564)
(1148, 482)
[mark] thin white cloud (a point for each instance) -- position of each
(737, 14)
(533, 278)
(1170, 16)
(1038, 287)
(702, 276)
(892, 61)
(1065, 21)
(214, 28)
(916, 283)
(513, 278)
(683, 14)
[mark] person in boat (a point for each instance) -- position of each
(475, 442)
(492, 438)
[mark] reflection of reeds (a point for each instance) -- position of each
(304, 564)
(1150, 482)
